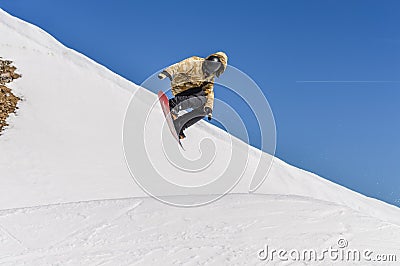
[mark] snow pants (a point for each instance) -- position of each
(192, 98)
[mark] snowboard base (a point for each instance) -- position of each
(166, 110)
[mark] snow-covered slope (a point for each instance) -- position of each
(141, 231)
(65, 146)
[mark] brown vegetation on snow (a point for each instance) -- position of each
(8, 101)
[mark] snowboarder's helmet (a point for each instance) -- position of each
(212, 64)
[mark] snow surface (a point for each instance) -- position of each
(68, 198)
(141, 231)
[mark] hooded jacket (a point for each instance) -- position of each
(189, 73)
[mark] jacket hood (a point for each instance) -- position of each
(224, 60)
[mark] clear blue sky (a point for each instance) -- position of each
(347, 130)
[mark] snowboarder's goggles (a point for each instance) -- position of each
(214, 59)
(212, 65)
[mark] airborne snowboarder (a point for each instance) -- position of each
(192, 84)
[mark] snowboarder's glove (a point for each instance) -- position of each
(164, 74)
(208, 112)
(161, 76)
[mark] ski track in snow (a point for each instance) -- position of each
(142, 231)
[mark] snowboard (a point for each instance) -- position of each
(166, 110)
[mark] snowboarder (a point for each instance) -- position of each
(192, 84)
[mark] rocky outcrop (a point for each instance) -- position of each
(8, 101)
